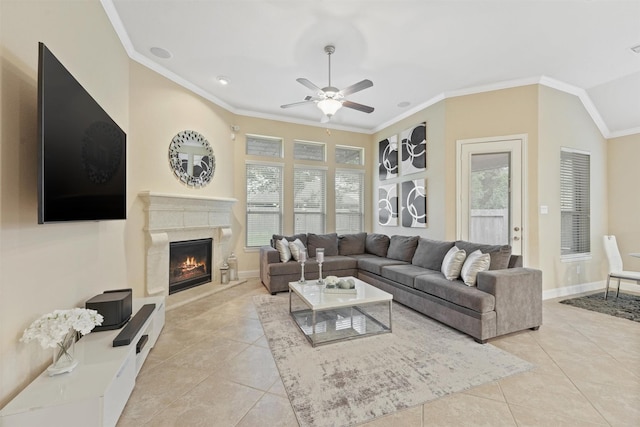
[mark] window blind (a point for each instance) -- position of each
(303, 150)
(264, 146)
(349, 155)
(349, 201)
(575, 202)
(264, 203)
(309, 199)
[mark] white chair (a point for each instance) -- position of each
(616, 270)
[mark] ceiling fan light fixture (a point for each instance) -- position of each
(329, 106)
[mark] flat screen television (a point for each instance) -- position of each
(82, 173)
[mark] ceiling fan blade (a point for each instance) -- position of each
(308, 84)
(356, 87)
(356, 106)
(307, 100)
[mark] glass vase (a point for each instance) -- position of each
(64, 355)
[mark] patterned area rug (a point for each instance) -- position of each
(626, 306)
(351, 382)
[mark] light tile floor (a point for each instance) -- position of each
(212, 366)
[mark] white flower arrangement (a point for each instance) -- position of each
(51, 328)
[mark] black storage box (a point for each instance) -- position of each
(114, 306)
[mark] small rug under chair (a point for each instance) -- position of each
(626, 306)
(355, 381)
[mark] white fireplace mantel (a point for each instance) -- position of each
(174, 218)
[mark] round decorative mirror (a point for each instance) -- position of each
(191, 158)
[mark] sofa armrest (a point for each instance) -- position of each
(268, 255)
(518, 294)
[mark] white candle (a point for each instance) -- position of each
(320, 255)
(303, 256)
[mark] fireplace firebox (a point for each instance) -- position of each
(189, 264)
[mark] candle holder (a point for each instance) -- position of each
(320, 259)
(302, 258)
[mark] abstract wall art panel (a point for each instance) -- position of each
(388, 158)
(388, 205)
(414, 149)
(414, 203)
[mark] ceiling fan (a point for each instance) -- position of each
(330, 99)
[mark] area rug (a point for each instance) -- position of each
(626, 306)
(355, 381)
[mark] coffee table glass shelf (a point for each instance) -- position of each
(331, 317)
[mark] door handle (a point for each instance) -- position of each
(516, 228)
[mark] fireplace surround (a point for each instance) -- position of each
(175, 218)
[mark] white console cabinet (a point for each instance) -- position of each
(96, 391)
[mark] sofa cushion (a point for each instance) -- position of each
(327, 241)
(374, 264)
(282, 246)
(452, 263)
(430, 253)
(456, 292)
(474, 264)
(296, 247)
(352, 244)
(500, 254)
(404, 273)
(377, 244)
(302, 237)
(402, 248)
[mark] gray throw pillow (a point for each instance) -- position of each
(402, 248)
(500, 254)
(352, 244)
(327, 241)
(376, 244)
(430, 253)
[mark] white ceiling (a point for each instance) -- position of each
(415, 51)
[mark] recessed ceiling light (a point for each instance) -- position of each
(636, 49)
(223, 80)
(160, 52)
(404, 104)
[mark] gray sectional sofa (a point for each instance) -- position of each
(506, 298)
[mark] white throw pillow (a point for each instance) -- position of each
(452, 263)
(296, 247)
(282, 246)
(475, 263)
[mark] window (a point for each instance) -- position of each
(309, 196)
(264, 146)
(349, 201)
(303, 150)
(575, 204)
(264, 203)
(349, 155)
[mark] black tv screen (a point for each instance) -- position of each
(82, 158)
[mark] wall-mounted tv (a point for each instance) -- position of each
(82, 173)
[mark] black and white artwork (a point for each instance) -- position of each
(388, 205)
(414, 149)
(414, 203)
(388, 158)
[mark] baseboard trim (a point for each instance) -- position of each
(586, 287)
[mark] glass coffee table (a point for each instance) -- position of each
(331, 317)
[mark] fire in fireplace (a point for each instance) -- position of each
(189, 264)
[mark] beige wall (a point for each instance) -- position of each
(248, 258)
(159, 110)
(434, 175)
(623, 176)
(565, 123)
(45, 267)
